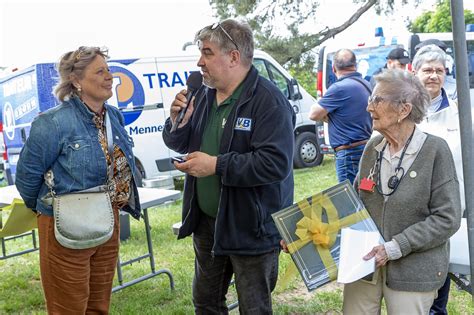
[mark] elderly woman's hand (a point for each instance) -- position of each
(381, 257)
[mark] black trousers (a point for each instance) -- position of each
(440, 303)
(255, 276)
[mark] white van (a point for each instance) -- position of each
(144, 89)
(372, 57)
(2, 153)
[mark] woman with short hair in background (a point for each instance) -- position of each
(442, 120)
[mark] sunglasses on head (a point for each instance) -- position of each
(218, 25)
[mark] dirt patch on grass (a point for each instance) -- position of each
(301, 292)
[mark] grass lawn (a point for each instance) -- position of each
(21, 293)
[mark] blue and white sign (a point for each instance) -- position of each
(8, 121)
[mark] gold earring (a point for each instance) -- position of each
(398, 121)
(79, 89)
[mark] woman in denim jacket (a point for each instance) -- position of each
(70, 140)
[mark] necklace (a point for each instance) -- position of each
(395, 179)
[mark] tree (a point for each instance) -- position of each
(264, 15)
(437, 21)
(277, 26)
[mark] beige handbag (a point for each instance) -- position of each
(85, 218)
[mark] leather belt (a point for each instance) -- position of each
(351, 145)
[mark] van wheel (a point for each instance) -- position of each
(307, 152)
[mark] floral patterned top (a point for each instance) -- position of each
(120, 186)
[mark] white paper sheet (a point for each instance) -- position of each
(354, 246)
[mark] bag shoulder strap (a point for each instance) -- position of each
(110, 146)
(363, 82)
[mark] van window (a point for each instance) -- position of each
(369, 61)
(269, 71)
(279, 79)
(262, 69)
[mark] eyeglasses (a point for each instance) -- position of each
(218, 25)
(430, 71)
(375, 100)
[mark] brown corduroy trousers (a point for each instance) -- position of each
(76, 281)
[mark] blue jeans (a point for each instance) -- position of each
(255, 276)
(347, 163)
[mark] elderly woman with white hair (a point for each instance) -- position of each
(441, 120)
(407, 182)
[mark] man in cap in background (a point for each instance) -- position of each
(397, 58)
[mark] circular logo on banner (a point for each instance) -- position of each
(9, 121)
(129, 92)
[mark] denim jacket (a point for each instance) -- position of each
(65, 139)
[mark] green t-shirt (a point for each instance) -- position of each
(208, 188)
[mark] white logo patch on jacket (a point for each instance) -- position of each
(244, 124)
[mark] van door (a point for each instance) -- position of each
(307, 152)
(369, 61)
(269, 71)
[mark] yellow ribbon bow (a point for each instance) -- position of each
(323, 235)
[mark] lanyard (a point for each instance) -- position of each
(395, 179)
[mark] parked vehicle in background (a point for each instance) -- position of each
(306, 139)
(2, 151)
(2, 143)
(371, 55)
(3, 154)
(143, 90)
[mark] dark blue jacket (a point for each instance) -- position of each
(255, 165)
(65, 139)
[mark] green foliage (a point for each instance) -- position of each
(439, 20)
(305, 74)
(277, 24)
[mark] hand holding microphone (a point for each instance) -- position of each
(194, 82)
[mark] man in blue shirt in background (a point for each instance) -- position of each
(343, 107)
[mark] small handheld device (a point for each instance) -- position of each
(177, 159)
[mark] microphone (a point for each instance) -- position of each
(194, 82)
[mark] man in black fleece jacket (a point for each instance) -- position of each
(238, 137)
